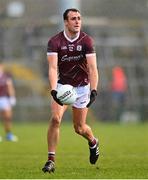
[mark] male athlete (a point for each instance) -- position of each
(7, 100)
(72, 60)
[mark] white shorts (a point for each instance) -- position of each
(83, 98)
(4, 103)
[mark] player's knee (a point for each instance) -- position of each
(55, 121)
(79, 130)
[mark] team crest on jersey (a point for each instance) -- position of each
(79, 48)
(71, 47)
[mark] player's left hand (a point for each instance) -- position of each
(93, 96)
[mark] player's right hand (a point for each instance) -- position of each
(54, 95)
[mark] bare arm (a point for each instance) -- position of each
(52, 70)
(93, 71)
(11, 90)
(53, 76)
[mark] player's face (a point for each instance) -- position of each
(73, 23)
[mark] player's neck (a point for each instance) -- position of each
(71, 36)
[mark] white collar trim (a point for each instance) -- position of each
(71, 40)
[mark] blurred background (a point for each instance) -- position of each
(120, 30)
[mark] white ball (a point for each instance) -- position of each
(66, 94)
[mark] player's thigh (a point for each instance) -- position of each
(79, 116)
(7, 113)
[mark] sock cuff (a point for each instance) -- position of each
(51, 153)
(93, 143)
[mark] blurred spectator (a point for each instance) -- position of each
(7, 101)
(118, 92)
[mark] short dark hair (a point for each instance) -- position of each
(65, 14)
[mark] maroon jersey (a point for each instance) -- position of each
(3, 84)
(72, 62)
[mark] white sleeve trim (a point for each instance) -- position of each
(51, 53)
(91, 54)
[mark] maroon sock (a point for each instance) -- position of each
(92, 143)
(51, 156)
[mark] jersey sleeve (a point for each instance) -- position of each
(52, 47)
(89, 46)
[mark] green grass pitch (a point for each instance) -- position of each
(123, 153)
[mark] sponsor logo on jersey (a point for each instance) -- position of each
(71, 58)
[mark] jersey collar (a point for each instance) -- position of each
(71, 40)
